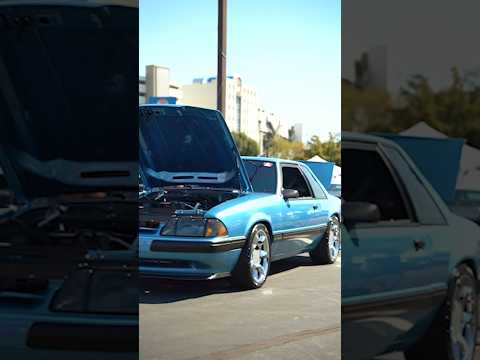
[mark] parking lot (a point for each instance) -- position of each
(295, 315)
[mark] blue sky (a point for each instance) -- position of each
(289, 50)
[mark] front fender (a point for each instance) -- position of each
(241, 223)
(240, 215)
(258, 218)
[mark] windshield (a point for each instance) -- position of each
(185, 145)
(262, 175)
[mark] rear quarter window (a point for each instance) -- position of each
(426, 209)
(317, 188)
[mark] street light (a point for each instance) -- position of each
(222, 55)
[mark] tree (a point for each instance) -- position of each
(453, 110)
(285, 149)
(246, 146)
(365, 108)
(329, 150)
(314, 147)
(268, 138)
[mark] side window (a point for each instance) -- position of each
(426, 209)
(366, 178)
(293, 179)
(318, 190)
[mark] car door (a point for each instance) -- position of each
(298, 215)
(321, 206)
(385, 265)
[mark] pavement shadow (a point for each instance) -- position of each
(290, 264)
(160, 291)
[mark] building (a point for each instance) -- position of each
(241, 104)
(157, 83)
(142, 90)
(158, 80)
(264, 118)
(242, 110)
(297, 132)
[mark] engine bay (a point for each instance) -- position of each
(45, 242)
(158, 206)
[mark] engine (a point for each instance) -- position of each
(157, 209)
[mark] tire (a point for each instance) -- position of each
(253, 266)
(457, 317)
(327, 250)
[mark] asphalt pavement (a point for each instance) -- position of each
(295, 315)
(399, 356)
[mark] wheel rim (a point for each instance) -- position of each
(463, 319)
(260, 257)
(334, 239)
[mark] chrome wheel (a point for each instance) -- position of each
(260, 256)
(334, 238)
(463, 320)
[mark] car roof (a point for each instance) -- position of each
(271, 159)
(358, 137)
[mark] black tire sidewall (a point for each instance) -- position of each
(321, 253)
(462, 271)
(436, 343)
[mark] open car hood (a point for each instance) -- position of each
(441, 172)
(67, 106)
(184, 145)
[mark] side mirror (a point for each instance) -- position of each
(290, 194)
(360, 212)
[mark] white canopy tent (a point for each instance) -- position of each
(469, 173)
(317, 158)
(337, 170)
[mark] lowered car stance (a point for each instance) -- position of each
(206, 213)
(410, 266)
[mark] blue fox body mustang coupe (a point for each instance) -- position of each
(207, 213)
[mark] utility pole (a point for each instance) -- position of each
(222, 55)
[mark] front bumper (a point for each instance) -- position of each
(184, 258)
(30, 329)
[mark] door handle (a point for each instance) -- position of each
(315, 207)
(419, 244)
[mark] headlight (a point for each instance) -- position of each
(194, 227)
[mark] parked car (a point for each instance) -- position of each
(68, 180)
(205, 214)
(409, 266)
